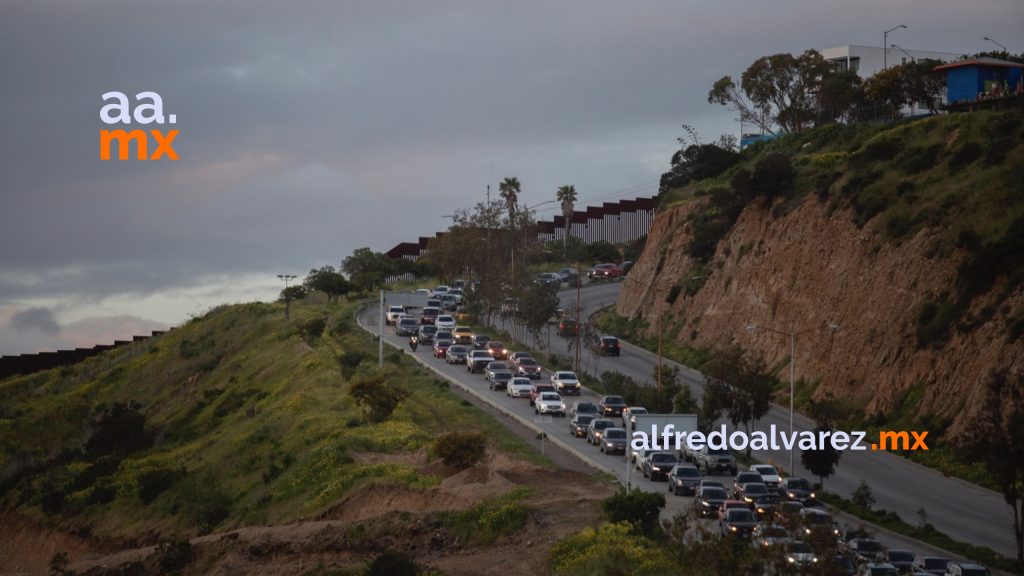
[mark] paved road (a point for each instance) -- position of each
(962, 510)
(966, 512)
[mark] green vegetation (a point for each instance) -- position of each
(610, 549)
(484, 523)
(238, 417)
(460, 449)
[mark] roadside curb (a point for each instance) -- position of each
(528, 423)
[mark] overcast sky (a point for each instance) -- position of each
(309, 129)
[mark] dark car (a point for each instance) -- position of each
(788, 514)
(604, 271)
(709, 500)
(684, 479)
(480, 341)
(583, 407)
(797, 489)
(903, 560)
(528, 367)
(548, 280)
(751, 491)
(626, 267)
(568, 327)
(407, 327)
(868, 550)
(596, 429)
(613, 441)
(738, 522)
(742, 478)
(608, 346)
(570, 276)
(426, 333)
(611, 405)
(659, 465)
(578, 425)
(441, 346)
(931, 564)
(499, 380)
(429, 315)
(766, 505)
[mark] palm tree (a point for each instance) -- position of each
(509, 189)
(567, 196)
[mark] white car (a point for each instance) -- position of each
(519, 387)
(549, 403)
(769, 474)
(628, 414)
(439, 290)
(565, 382)
(445, 322)
(423, 291)
(391, 317)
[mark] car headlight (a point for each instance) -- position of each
(807, 530)
(791, 495)
(760, 510)
(790, 559)
(732, 528)
(812, 495)
(814, 559)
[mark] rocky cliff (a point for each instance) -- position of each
(812, 269)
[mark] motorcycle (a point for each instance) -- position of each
(414, 343)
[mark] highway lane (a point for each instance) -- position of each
(962, 510)
(635, 362)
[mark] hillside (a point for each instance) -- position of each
(910, 238)
(240, 425)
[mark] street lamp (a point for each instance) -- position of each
(792, 333)
(885, 45)
(997, 44)
(287, 296)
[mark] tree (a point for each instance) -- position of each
(292, 293)
(684, 402)
(603, 251)
(742, 387)
(638, 508)
(997, 440)
(566, 195)
(329, 281)
(922, 84)
(841, 93)
(509, 189)
(537, 306)
(822, 462)
(863, 497)
(777, 93)
(367, 269)
(887, 88)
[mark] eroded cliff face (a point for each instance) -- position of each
(809, 269)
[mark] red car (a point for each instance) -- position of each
(498, 350)
(441, 348)
(429, 315)
(604, 271)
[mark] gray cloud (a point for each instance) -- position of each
(35, 319)
(309, 129)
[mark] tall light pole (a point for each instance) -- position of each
(885, 45)
(792, 333)
(287, 296)
(997, 44)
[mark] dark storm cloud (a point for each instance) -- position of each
(311, 128)
(35, 319)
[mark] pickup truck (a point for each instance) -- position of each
(391, 317)
(710, 460)
(565, 382)
(478, 360)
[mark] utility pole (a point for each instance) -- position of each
(579, 316)
(380, 331)
(885, 45)
(287, 296)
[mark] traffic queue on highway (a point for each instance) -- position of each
(755, 504)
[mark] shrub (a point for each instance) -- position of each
(350, 361)
(174, 556)
(610, 549)
(919, 158)
(773, 176)
(377, 396)
(155, 482)
(120, 429)
(863, 497)
(392, 563)
(934, 319)
(312, 329)
(639, 509)
(460, 449)
(964, 155)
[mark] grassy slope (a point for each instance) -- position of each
(198, 386)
